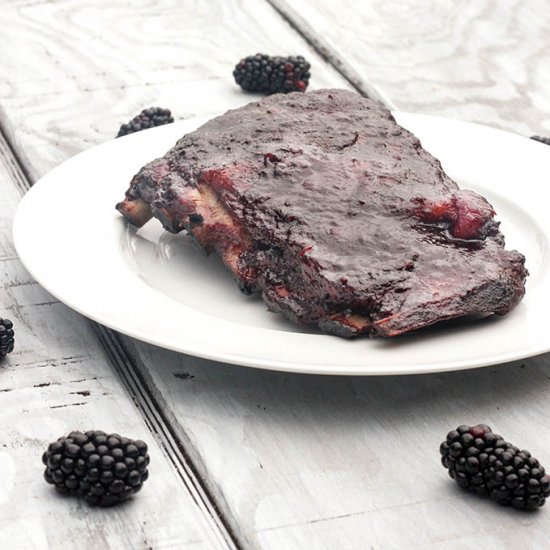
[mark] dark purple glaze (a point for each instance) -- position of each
(335, 213)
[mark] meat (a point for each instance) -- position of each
(335, 214)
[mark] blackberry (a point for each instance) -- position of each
(483, 462)
(6, 337)
(542, 139)
(148, 118)
(271, 75)
(103, 468)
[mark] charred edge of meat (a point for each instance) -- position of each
(498, 296)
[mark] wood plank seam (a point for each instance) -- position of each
(161, 429)
(22, 178)
(327, 53)
(147, 406)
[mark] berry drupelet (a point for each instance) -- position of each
(271, 75)
(483, 462)
(148, 118)
(103, 468)
(6, 337)
(542, 139)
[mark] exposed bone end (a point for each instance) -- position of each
(213, 226)
(136, 211)
(173, 220)
(247, 276)
(346, 325)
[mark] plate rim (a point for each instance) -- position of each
(269, 364)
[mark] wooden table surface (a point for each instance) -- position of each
(244, 458)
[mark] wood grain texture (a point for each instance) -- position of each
(352, 462)
(58, 380)
(485, 61)
(89, 66)
(155, 418)
(293, 461)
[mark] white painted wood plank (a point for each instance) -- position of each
(77, 70)
(351, 462)
(296, 461)
(481, 61)
(89, 66)
(58, 380)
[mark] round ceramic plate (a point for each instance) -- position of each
(160, 288)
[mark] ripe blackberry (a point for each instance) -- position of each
(483, 462)
(103, 468)
(6, 337)
(271, 75)
(542, 139)
(148, 118)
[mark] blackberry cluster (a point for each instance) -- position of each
(148, 118)
(103, 468)
(542, 139)
(483, 462)
(271, 75)
(6, 337)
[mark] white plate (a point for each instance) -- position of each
(157, 287)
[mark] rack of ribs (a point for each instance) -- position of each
(333, 213)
